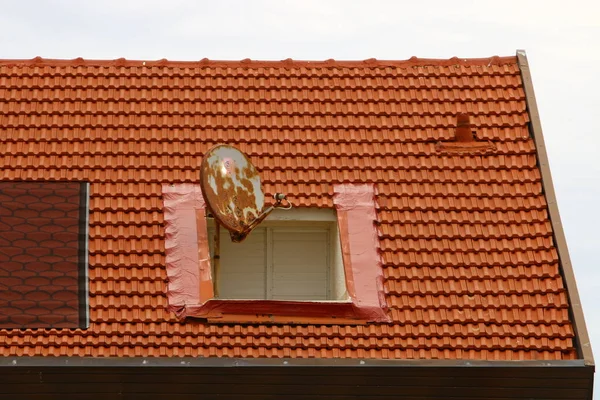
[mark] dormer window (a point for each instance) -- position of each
(290, 269)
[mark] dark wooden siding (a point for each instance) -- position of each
(276, 383)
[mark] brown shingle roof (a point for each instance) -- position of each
(470, 267)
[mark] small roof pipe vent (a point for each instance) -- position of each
(465, 140)
(463, 129)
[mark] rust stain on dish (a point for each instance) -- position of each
(231, 187)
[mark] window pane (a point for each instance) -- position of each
(242, 270)
(300, 265)
(43, 246)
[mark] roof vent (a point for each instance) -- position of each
(463, 129)
(464, 139)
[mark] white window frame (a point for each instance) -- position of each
(299, 220)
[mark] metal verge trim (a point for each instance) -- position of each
(582, 338)
(84, 281)
(279, 362)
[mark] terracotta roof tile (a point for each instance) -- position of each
(470, 266)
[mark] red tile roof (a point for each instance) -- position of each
(470, 267)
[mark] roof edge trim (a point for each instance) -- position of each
(584, 347)
(6, 362)
(247, 63)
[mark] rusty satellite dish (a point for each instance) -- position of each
(231, 187)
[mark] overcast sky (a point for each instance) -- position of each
(562, 40)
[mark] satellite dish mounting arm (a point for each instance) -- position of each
(238, 237)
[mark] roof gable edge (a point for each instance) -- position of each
(582, 338)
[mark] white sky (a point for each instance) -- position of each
(562, 40)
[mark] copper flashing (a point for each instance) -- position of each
(581, 335)
(190, 283)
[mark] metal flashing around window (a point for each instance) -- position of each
(190, 283)
(84, 234)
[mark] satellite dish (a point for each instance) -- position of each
(232, 190)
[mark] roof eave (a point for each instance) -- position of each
(582, 339)
(270, 362)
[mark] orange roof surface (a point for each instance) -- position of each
(470, 267)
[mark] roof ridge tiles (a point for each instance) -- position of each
(77, 63)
